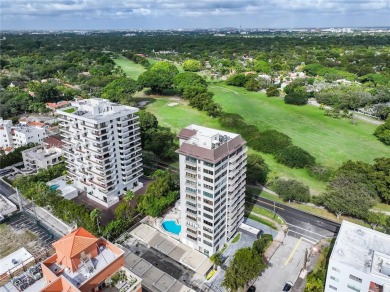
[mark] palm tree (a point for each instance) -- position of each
(128, 196)
(96, 215)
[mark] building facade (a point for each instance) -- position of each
(85, 263)
(43, 156)
(360, 260)
(212, 186)
(102, 148)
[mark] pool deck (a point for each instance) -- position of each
(173, 248)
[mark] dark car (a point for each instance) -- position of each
(251, 289)
(287, 287)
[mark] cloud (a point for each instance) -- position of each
(190, 11)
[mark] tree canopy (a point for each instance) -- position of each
(159, 77)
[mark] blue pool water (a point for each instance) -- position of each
(171, 226)
(54, 187)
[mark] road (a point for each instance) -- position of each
(301, 224)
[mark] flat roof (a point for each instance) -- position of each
(20, 255)
(363, 249)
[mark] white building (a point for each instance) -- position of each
(19, 135)
(360, 260)
(102, 148)
(212, 186)
(5, 133)
(41, 157)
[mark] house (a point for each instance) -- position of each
(83, 262)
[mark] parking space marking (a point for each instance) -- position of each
(292, 253)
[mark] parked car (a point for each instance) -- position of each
(251, 289)
(287, 287)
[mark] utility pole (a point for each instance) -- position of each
(19, 200)
(274, 209)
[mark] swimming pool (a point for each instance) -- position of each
(54, 187)
(171, 226)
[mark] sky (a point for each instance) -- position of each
(185, 14)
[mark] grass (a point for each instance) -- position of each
(329, 140)
(236, 238)
(131, 69)
(260, 220)
(264, 212)
(12, 240)
(70, 110)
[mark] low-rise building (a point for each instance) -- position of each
(83, 262)
(5, 133)
(45, 155)
(360, 260)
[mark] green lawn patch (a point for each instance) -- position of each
(236, 238)
(262, 211)
(260, 220)
(70, 110)
(329, 140)
(131, 69)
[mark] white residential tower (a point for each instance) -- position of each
(212, 186)
(102, 148)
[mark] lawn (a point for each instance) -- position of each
(131, 69)
(329, 140)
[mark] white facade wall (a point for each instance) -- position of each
(5, 133)
(41, 158)
(23, 135)
(102, 149)
(212, 195)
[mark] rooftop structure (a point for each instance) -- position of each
(212, 186)
(83, 262)
(102, 148)
(41, 157)
(7, 208)
(360, 260)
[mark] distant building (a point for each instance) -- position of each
(102, 148)
(84, 263)
(212, 186)
(20, 135)
(360, 260)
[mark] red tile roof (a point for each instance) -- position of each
(36, 124)
(74, 243)
(186, 133)
(58, 104)
(53, 141)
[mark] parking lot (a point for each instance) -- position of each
(285, 265)
(22, 221)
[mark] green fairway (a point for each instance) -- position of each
(329, 140)
(131, 69)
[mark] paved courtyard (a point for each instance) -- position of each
(285, 265)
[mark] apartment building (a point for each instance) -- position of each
(360, 260)
(102, 148)
(85, 263)
(212, 186)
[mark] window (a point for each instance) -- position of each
(208, 194)
(355, 278)
(332, 287)
(335, 269)
(208, 202)
(208, 171)
(353, 288)
(334, 278)
(207, 243)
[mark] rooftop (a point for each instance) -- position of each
(39, 152)
(96, 109)
(363, 249)
(74, 243)
(208, 144)
(88, 267)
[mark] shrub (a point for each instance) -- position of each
(294, 157)
(383, 132)
(271, 141)
(272, 91)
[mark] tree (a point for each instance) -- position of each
(381, 178)
(192, 65)
(262, 67)
(238, 80)
(245, 266)
(147, 121)
(261, 244)
(252, 84)
(376, 219)
(159, 141)
(123, 211)
(95, 216)
(271, 141)
(272, 91)
(120, 89)
(216, 259)
(159, 77)
(299, 96)
(292, 190)
(128, 196)
(294, 157)
(383, 132)
(257, 169)
(350, 193)
(189, 84)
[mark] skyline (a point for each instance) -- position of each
(168, 14)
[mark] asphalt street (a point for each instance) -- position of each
(301, 224)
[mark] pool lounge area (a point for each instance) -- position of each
(171, 226)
